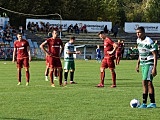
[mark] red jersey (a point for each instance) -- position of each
(21, 48)
(119, 48)
(54, 46)
(108, 46)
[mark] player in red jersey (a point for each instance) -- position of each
(22, 51)
(108, 61)
(54, 51)
(119, 52)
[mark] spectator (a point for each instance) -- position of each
(105, 29)
(115, 30)
(70, 28)
(21, 30)
(76, 28)
(84, 29)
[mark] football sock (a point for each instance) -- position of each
(27, 76)
(71, 76)
(145, 98)
(114, 78)
(55, 73)
(51, 77)
(102, 77)
(47, 72)
(60, 77)
(65, 76)
(152, 99)
(19, 76)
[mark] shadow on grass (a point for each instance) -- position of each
(5, 118)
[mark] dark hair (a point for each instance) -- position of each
(101, 32)
(141, 29)
(73, 38)
(19, 33)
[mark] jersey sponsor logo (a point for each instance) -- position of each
(20, 48)
(55, 46)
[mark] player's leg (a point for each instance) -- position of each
(55, 74)
(111, 66)
(72, 69)
(102, 72)
(19, 67)
(151, 89)
(26, 66)
(46, 73)
(145, 83)
(51, 76)
(60, 71)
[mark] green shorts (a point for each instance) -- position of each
(69, 65)
(147, 72)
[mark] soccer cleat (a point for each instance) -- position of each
(113, 86)
(55, 78)
(65, 83)
(72, 82)
(151, 105)
(100, 85)
(52, 85)
(19, 83)
(46, 79)
(143, 106)
(27, 83)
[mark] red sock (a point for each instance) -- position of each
(102, 77)
(60, 77)
(27, 76)
(114, 78)
(19, 75)
(47, 72)
(51, 77)
(55, 73)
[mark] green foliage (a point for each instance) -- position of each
(104, 10)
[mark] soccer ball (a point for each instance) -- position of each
(134, 103)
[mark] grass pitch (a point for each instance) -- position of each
(82, 101)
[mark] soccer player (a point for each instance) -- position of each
(69, 64)
(108, 61)
(22, 51)
(54, 51)
(148, 62)
(98, 53)
(119, 52)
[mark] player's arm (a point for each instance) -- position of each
(115, 46)
(43, 48)
(137, 66)
(14, 54)
(154, 70)
(61, 50)
(29, 53)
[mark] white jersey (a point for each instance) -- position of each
(68, 47)
(145, 48)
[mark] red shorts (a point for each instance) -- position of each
(54, 62)
(118, 54)
(23, 62)
(108, 63)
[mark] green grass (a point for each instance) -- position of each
(82, 101)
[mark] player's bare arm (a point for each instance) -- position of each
(137, 66)
(44, 49)
(29, 53)
(154, 70)
(14, 53)
(115, 46)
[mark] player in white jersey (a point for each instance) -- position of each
(69, 64)
(148, 62)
